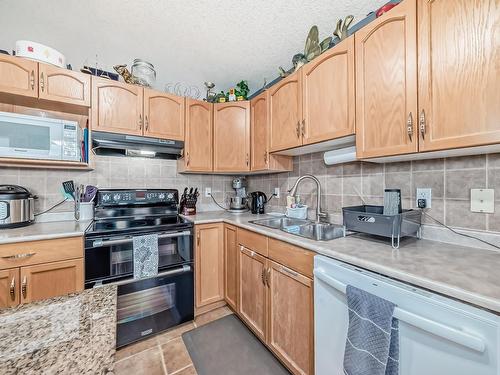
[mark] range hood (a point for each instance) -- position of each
(112, 144)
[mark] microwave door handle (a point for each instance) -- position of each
(99, 243)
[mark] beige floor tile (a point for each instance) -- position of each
(146, 362)
(187, 371)
(131, 349)
(212, 315)
(173, 333)
(175, 355)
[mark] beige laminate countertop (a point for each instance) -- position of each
(465, 273)
(44, 231)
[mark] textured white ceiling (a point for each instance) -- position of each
(187, 41)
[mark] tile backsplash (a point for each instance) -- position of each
(116, 172)
(342, 185)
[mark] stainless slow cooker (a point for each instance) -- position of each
(16, 206)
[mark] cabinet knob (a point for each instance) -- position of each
(422, 123)
(13, 289)
(409, 126)
(24, 287)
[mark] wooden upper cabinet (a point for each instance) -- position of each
(259, 129)
(9, 287)
(18, 76)
(386, 84)
(459, 78)
(209, 264)
(329, 94)
(163, 115)
(232, 136)
(291, 318)
(231, 266)
(198, 136)
(51, 279)
(63, 85)
(252, 304)
(285, 112)
(116, 107)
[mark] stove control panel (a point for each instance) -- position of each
(115, 197)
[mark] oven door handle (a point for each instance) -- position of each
(99, 243)
(176, 271)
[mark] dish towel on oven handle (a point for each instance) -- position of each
(372, 344)
(145, 256)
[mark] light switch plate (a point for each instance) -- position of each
(277, 192)
(482, 200)
(208, 192)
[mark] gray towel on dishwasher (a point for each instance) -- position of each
(372, 345)
(145, 256)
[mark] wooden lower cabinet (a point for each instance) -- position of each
(253, 291)
(290, 332)
(209, 264)
(9, 287)
(231, 267)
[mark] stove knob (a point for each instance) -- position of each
(106, 197)
(170, 196)
(161, 196)
(116, 197)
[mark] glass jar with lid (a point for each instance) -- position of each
(145, 71)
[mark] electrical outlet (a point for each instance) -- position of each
(208, 192)
(424, 193)
(277, 192)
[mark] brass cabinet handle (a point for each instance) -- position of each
(265, 157)
(241, 248)
(298, 129)
(262, 277)
(24, 287)
(18, 256)
(42, 82)
(187, 159)
(140, 122)
(248, 159)
(13, 289)
(268, 277)
(32, 79)
(147, 122)
(303, 128)
(409, 126)
(198, 239)
(289, 271)
(422, 123)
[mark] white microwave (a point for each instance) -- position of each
(34, 137)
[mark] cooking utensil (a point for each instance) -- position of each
(69, 188)
(90, 193)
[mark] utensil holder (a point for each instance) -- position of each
(86, 210)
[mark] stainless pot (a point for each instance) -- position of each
(16, 206)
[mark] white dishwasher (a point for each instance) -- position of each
(437, 335)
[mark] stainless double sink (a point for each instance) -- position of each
(303, 228)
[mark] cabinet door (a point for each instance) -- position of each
(116, 107)
(259, 129)
(51, 279)
(253, 291)
(163, 115)
(63, 85)
(18, 76)
(232, 137)
(459, 78)
(329, 94)
(386, 84)
(285, 112)
(209, 264)
(9, 287)
(198, 142)
(230, 266)
(291, 318)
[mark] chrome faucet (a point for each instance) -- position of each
(319, 214)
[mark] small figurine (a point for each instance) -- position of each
(128, 77)
(342, 26)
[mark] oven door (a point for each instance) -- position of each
(111, 259)
(148, 306)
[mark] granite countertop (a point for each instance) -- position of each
(70, 334)
(465, 273)
(44, 231)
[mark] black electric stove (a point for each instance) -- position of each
(145, 306)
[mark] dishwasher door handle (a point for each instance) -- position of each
(449, 333)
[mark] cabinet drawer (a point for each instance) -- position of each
(291, 256)
(253, 241)
(36, 252)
